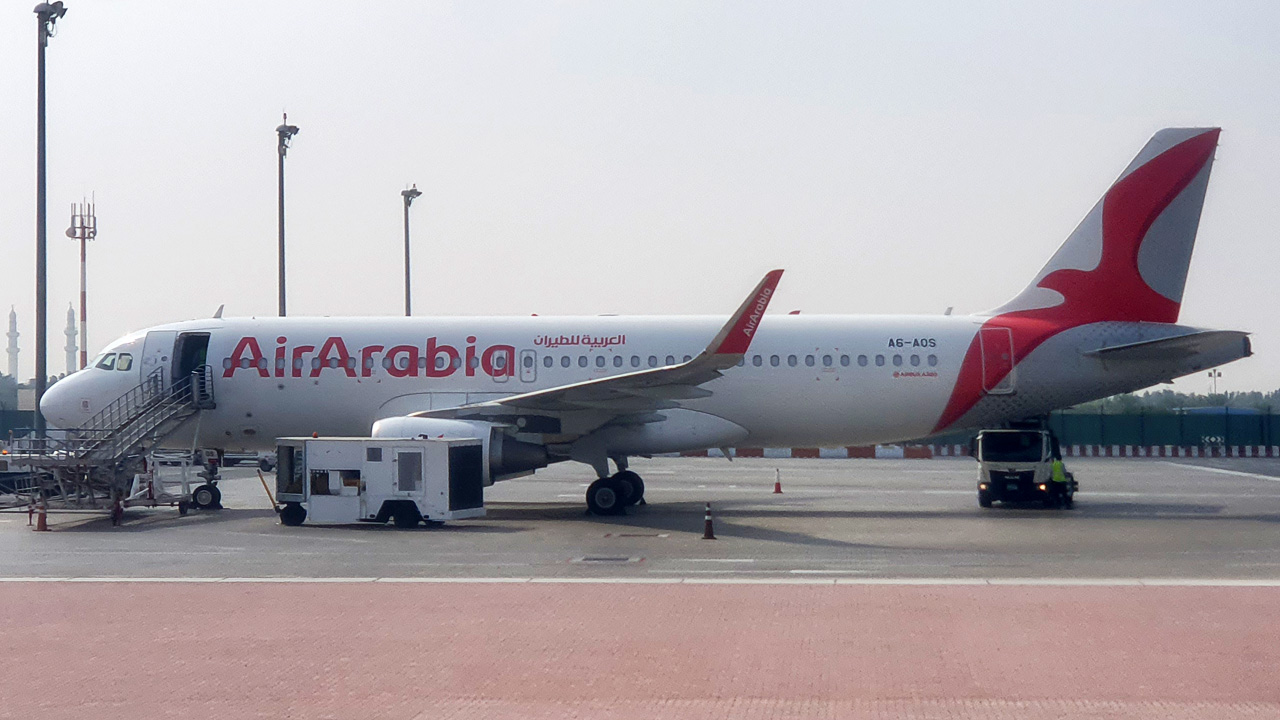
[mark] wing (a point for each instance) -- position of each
(579, 407)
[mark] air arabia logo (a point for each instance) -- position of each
(434, 359)
(762, 302)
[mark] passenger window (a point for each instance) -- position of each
(862, 361)
(792, 360)
(879, 361)
(582, 361)
(617, 361)
(226, 363)
(548, 361)
(564, 361)
(775, 361)
(809, 360)
(687, 358)
(757, 360)
(386, 363)
(500, 362)
(440, 362)
(653, 361)
(473, 363)
(915, 361)
(124, 362)
(456, 363)
(599, 361)
(671, 359)
(897, 361)
(635, 361)
(422, 362)
(108, 362)
(826, 361)
(933, 361)
(742, 361)
(527, 361)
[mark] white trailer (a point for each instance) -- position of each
(349, 480)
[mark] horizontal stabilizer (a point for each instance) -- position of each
(1181, 346)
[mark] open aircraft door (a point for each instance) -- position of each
(157, 350)
(999, 375)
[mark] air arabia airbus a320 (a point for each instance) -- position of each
(1099, 319)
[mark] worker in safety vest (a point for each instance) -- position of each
(1059, 474)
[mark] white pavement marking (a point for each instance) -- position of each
(675, 580)
(1270, 478)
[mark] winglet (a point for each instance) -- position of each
(735, 337)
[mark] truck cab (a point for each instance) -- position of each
(1017, 466)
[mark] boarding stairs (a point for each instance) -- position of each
(106, 451)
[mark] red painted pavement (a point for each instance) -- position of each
(75, 650)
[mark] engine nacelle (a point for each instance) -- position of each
(508, 457)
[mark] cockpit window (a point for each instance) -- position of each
(107, 362)
(124, 362)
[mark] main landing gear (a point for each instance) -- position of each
(611, 495)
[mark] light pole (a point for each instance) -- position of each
(408, 196)
(1214, 375)
(84, 227)
(284, 132)
(47, 15)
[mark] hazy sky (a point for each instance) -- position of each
(619, 157)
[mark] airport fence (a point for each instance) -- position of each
(1181, 433)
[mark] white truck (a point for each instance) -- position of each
(1017, 466)
(350, 480)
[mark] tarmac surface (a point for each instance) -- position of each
(868, 588)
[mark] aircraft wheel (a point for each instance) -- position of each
(606, 496)
(293, 514)
(206, 496)
(984, 500)
(635, 487)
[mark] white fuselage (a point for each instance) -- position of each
(821, 380)
(809, 381)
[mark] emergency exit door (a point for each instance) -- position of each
(999, 373)
(528, 366)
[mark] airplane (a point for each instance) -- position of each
(1099, 319)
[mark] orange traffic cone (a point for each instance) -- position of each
(42, 520)
(708, 533)
(777, 482)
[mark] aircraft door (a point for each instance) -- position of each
(156, 351)
(999, 375)
(528, 366)
(189, 352)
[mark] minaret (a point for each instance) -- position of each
(13, 343)
(71, 339)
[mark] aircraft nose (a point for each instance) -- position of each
(59, 405)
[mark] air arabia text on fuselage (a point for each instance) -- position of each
(433, 359)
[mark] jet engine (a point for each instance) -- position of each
(508, 457)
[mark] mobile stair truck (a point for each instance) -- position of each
(348, 480)
(1017, 466)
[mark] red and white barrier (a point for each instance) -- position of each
(924, 452)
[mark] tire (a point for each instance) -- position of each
(606, 496)
(266, 465)
(634, 487)
(406, 516)
(293, 514)
(183, 508)
(206, 496)
(984, 500)
(1069, 501)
